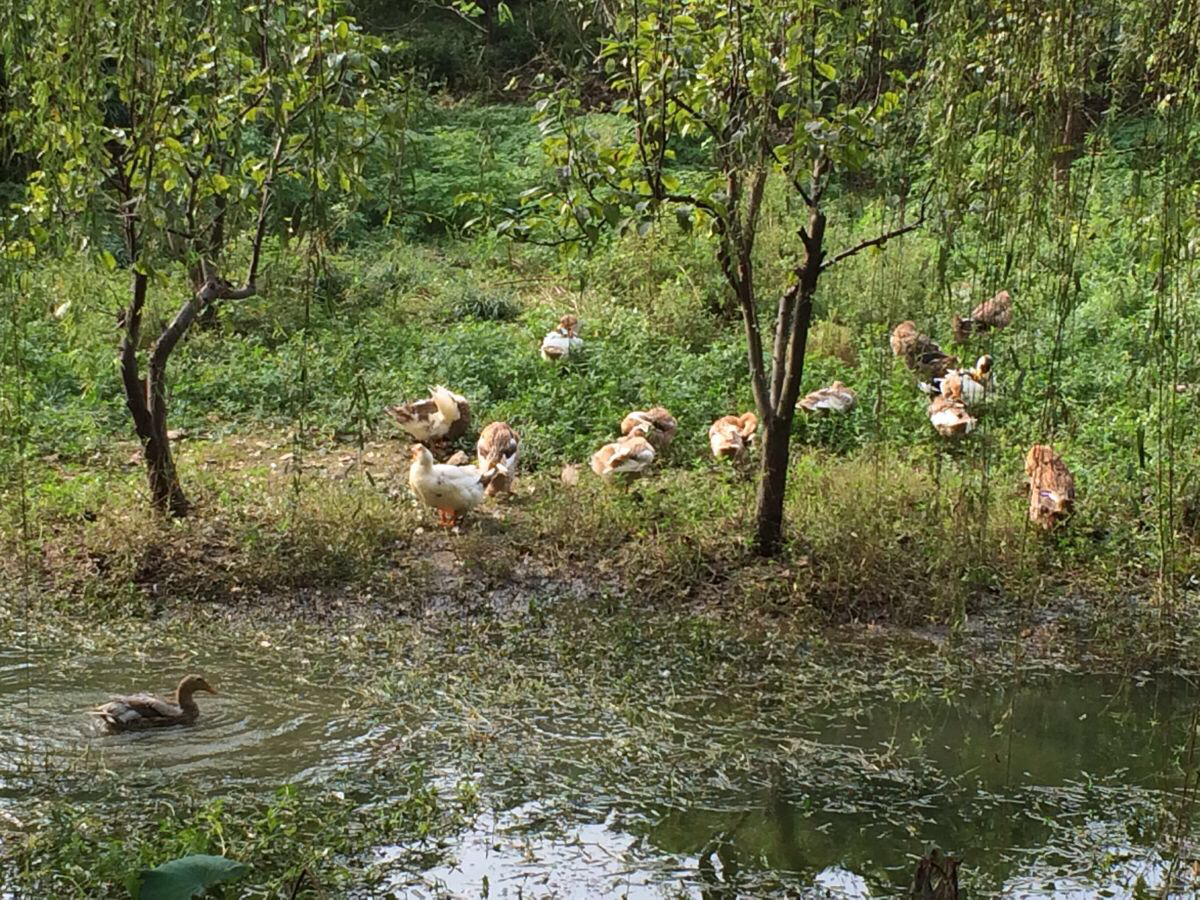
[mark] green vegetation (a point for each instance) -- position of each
(412, 194)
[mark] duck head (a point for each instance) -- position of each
(189, 684)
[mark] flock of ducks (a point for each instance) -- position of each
(447, 483)
(453, 488)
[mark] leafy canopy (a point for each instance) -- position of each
(765, 86)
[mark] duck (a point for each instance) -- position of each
(947, 413)
(977, 383)
(630, 455)
(563, 341)
(993, 313)
(438, 420)
(655, 424)
(134, 712)
(498, 450)
(452, 490)
(835, 398)
(731, 436)
(921, 353)
(1051, 487)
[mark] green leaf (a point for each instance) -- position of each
(181, 879)
(826, 71)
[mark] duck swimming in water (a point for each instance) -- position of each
(134, 712)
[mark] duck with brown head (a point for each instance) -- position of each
(137, 711)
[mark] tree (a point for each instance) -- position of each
(170, 127)
(771, 89)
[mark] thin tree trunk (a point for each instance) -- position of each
(146, 399)
(787, 370)
(772, 484)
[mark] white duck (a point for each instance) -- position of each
(442, 417)
(977, 383)
(631, 455)
(563, 341)
(498, 449)
(452, 490)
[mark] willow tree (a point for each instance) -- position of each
(797, 90)
(170, 127)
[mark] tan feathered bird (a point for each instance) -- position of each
(630, 456)
(977, 383)
(947, 413)
(920, 352)
(993, 313)
(731, 436)
(498, 450)
(134, 712)
(436, 421)
(655, 424)
(563, 340)
(1051, 487)
(835, 398)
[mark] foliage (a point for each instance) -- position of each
(300, 841)
(184, 878)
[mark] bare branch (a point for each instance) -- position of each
(874, 242)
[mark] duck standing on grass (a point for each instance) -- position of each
(630, 456)
(731, 436)
(563, 341)
(138, 711)
(655, 425)
(1051, 487)
(452, 490)
(498, 449)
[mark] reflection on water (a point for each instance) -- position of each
(1054, 788)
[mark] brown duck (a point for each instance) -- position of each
(1051, 487)
(137, 711)
(921, 353)
(994, 313)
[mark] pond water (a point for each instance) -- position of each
(1063, 785)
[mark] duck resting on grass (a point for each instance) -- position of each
(835, 398)
(655, 425)
(563, 341)
(947, 413)
(629, 456)
(498, 449)
(994, 313)
(730, 436)
(921, 353)
(138, 711)
(437, 421)
(977, 383)
(452, 490)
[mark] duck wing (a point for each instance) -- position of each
(138, 709)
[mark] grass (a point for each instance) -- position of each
(887, 522)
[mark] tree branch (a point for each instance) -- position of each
(874, 242)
